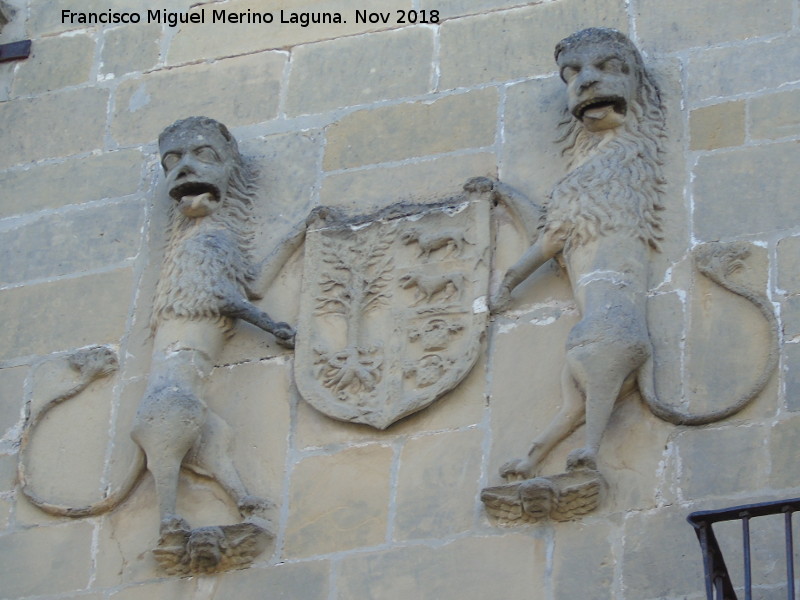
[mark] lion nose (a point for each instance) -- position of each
(586, 79)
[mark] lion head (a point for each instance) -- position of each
(614, 131)
(210, 241)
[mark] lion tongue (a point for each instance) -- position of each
(597, 112)
(194, 199)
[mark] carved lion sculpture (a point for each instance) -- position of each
(602, 220)
(206, 283)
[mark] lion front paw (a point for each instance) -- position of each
(500, 300)
(284, 334)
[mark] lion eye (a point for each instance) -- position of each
(170, 160)
(612, 65)
(206, 154)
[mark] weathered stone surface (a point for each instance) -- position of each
(73, 181)
(516, 43)
(43, 318)
(722, 461)
(80, 241)
(791, 372)
(339, 502)
(584, 560)
(130, 48)
(410, 130)
(59, 124)
(684, 24)
(738, 69)
(790, 317)
(63, 552)
(437, 484)
(213, 40)
(467, 569)
(789, 265)
(379, 66)
(370, 189)
(146, 104)
(775, 116)
(455, 8)
(782, 436)
(12, 381)
(648, 571)
(5, 513)
(174, 589)
(717, 126)
(54, 63)
(307, 580)
(732, 187)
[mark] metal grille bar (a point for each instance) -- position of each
(718, 582)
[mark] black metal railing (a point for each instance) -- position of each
(718, 580)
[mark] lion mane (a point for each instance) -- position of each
(615, 182)
(207, 258)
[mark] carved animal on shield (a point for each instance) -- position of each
(207, 282)
(443, 286)
(430, 241)
(602, 220)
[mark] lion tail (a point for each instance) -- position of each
(717, 261)
(92, 363)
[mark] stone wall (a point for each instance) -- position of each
(360, 116)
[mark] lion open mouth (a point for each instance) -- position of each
(193, 189)
(598, 108)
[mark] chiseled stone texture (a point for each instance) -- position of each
(791, 371)
(130, 48)
(12, 381)
(731, 190)
(145, 105)
(46, 317)
(73, 181)
(472, 568)
(46, 560)
(307, 580)
(413, 129)
(55, 63)
(53, 125)
(360, 69)
(775, 116)
(666, 27)
(517, 43)
(661, 557)
(82, 240)
(785, 468)
(584, 560)
(339, 502)
(717, 126)
(789, 265)
(213, 40)
(437, 483)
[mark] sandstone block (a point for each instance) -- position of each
(721, 72)
(717, 126)
(212, 40)
(732, 187)
(108, 175)
(685, 23)
(307, 580)
(775, 116)
(468, 569)
(130, 48)
(339, 502)
(437, 485)
(54, 63)
(583, 561)
(74, 242)
(789, 265)
(5, 513)
(648, 571)
(235, 91)
(63, 552)
(170, 589)
(457, 8)
(791, 353)
(59, 124)
(517, 43)
(44, 318)
(365, 190)
(790, 317)
(414, 129)
(360, 69)
(12, 381)
(722, 461)
(782, 438)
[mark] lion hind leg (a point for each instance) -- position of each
(569, 417)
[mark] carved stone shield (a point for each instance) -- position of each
(393, 308)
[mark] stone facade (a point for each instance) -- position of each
(360, 116)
